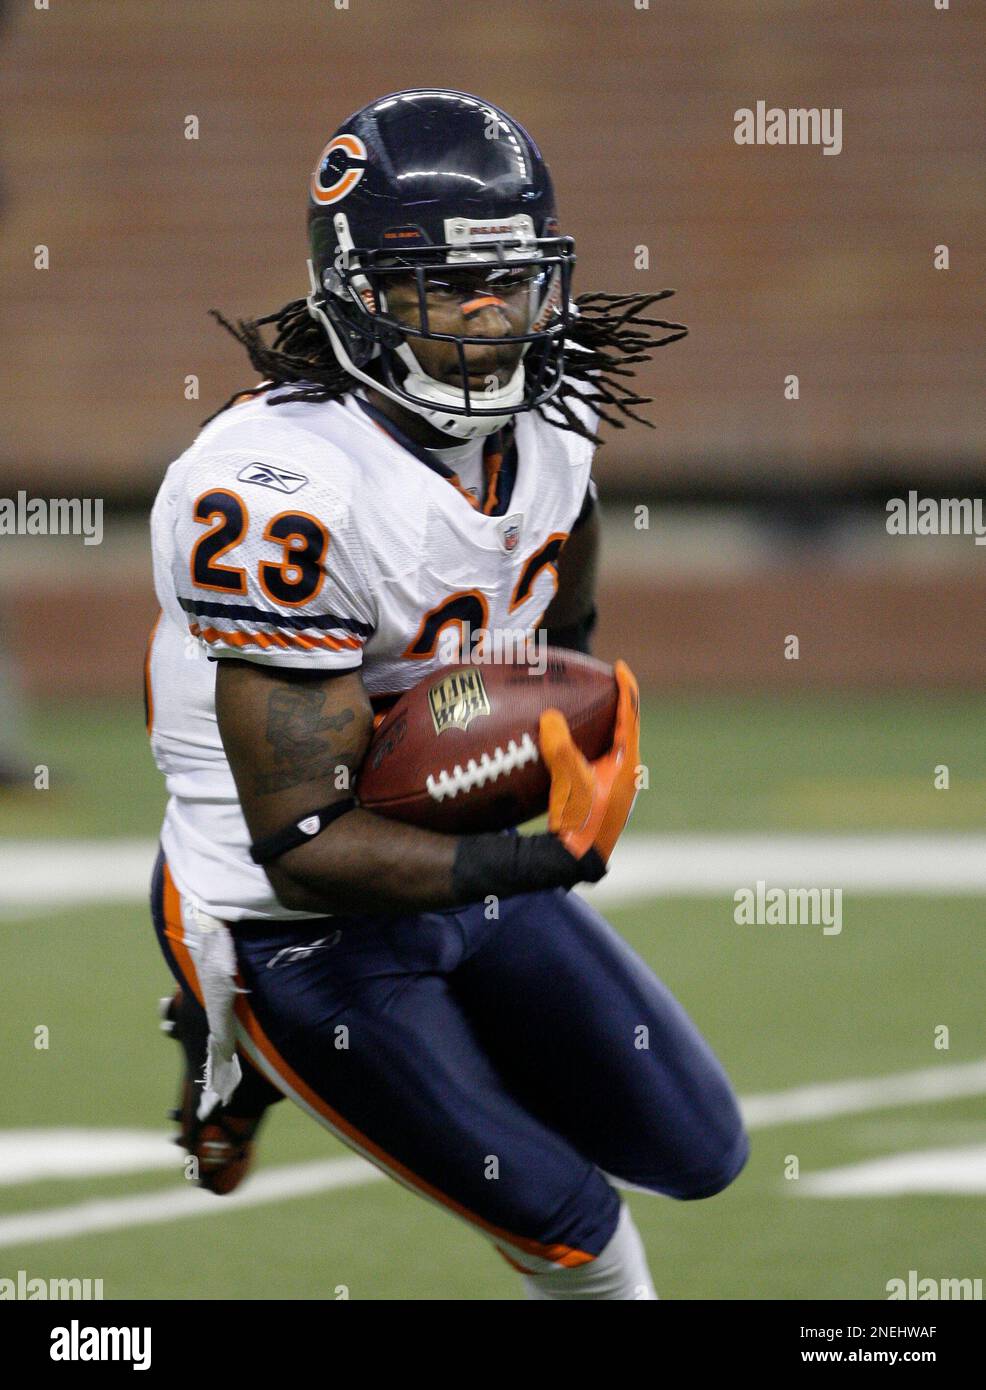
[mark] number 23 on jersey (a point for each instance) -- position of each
(294, 579)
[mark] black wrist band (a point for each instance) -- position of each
(502, 865)
(301, 830)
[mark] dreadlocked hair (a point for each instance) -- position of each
(604, 342)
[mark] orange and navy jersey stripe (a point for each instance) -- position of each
(266, 640)
(291, 631)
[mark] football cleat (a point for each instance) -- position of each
(222, 1144)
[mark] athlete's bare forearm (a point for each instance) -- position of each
(365, 863)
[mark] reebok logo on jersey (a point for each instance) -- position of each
(266, 475)
(293, 953)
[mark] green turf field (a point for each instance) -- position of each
(784, 1008)
(770, 763)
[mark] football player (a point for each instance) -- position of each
(416, 460)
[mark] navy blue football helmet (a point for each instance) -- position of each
(414, 183)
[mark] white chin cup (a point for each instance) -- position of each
(504, 401)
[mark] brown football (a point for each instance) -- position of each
(459, 751)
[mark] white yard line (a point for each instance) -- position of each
(39, 876)
(829, 1099)
(31, 1155)
(662, 865)
(185, 1202)
(66, 873)
(798, 1105)
(958, 1172)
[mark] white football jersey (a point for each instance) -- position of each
(305, 535)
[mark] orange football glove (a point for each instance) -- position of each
(590, 803)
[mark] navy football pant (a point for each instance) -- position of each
(499, 1067)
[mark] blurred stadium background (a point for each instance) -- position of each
(765, 518)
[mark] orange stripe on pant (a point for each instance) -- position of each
(174, 930)
(563, 1255)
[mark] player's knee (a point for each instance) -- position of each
(712, 1178)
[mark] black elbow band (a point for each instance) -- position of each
(575, 636)
(298, 833)
(502, 865)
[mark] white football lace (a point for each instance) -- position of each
(487, 769)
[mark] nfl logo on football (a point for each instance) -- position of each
(456, 700)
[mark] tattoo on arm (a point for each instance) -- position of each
(307, 746)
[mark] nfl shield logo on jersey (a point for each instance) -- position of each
(510, 531)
